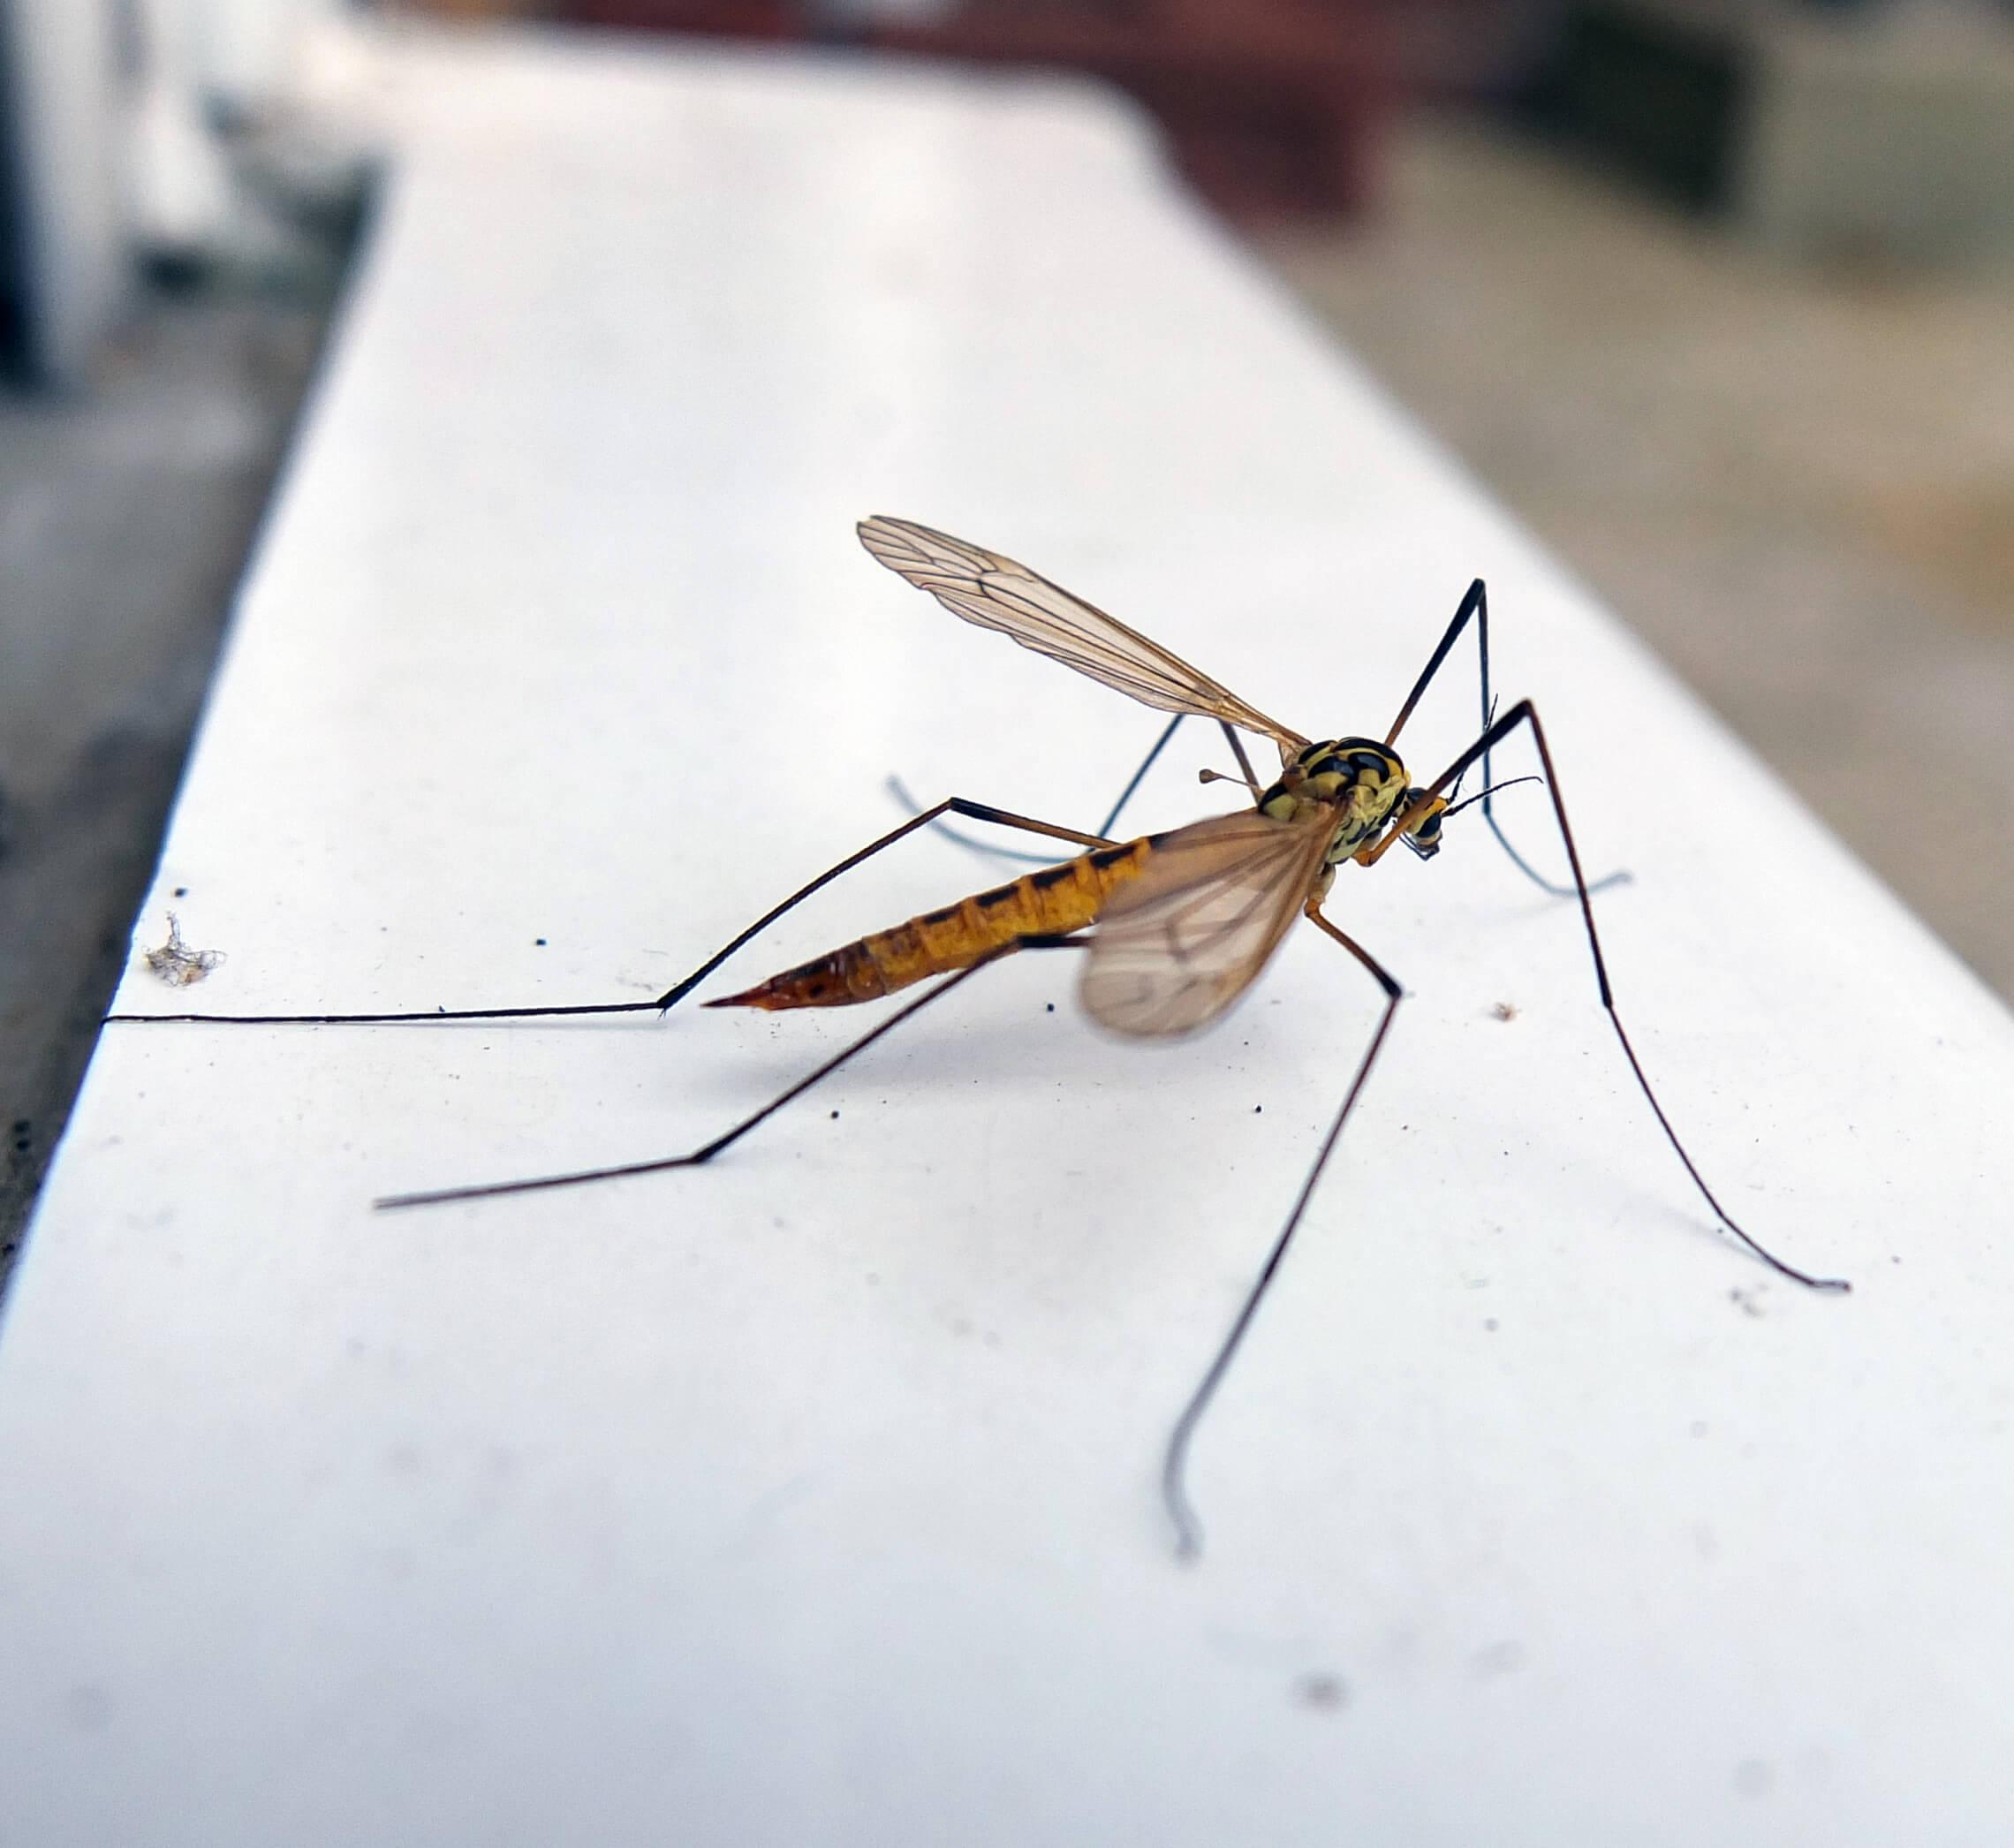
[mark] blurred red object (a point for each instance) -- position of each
(725, 19)
(1272, 105)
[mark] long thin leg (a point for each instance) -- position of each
(679, 990)
(1174, 1468)
(1476, 605)
(728, 1137)
(900, 791)
(1523, 713)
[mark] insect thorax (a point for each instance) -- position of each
(1360, 781)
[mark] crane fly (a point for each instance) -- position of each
(1173, 928)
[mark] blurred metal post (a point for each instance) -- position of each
(68, 255)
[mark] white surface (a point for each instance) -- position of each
(811, 1498)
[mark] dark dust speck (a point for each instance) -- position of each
(1051, 1007)
(541, 943)
(1326, 1693)
(181, 891)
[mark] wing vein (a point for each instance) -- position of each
(995, 593)
(1176, 947)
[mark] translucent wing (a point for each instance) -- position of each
(1177, 946)
(998, 594)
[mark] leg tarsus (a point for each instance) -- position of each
(708, 1151)
(1174, 1467)
(1523, 713)
(905, 800)
(436, 1014)
(897, 788)
(1622, 875)
(1836, 1284)
(679, 990)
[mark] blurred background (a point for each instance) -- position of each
(1718, 295)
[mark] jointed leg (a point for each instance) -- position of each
(1188, 1529)
(728, 1138)
(901, 793)
(950, 804)
(678, 991)
(1522, 714)
(1476, 605)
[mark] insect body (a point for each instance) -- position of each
(1335, 798)
(1051, 903)
(1173, 928)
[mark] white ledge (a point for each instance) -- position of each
(810, 1497)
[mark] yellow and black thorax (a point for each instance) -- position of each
(1360, 781)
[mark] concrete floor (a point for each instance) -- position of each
(124, 519)
(1798, 486)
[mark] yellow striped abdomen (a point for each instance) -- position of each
(1056, 899)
